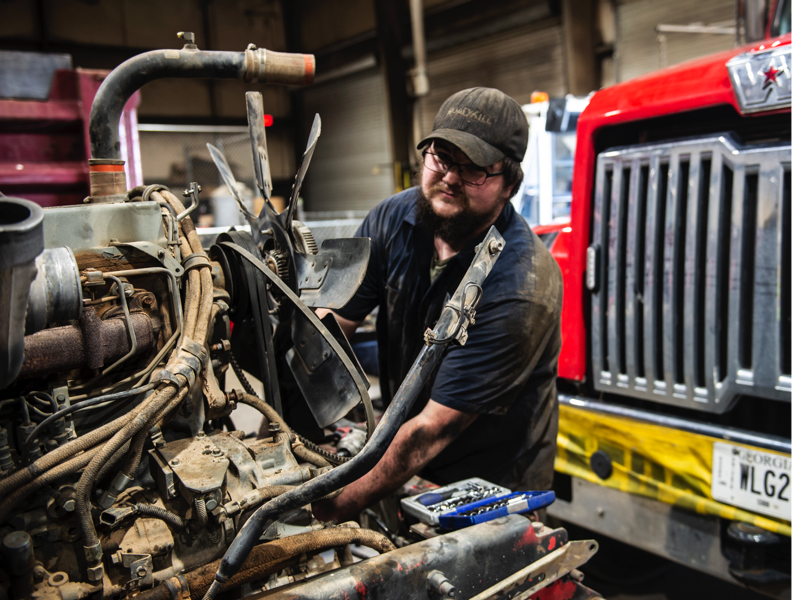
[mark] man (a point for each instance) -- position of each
(491, 409)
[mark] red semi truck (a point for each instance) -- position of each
(675, 373)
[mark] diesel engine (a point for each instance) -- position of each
(121, 471)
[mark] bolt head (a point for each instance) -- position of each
(211, 504)
(141, 572)
(175, 462)
(495, 246)
(96, 573)
(69, 505)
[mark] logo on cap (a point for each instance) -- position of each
(471, 114)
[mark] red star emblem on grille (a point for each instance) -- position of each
(770, 75)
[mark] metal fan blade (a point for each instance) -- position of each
(326, 385)
(258, 139)
(316, 131)
(330, 278)
(228, 178)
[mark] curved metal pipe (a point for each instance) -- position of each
(278, 68)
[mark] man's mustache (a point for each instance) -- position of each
(458, 193)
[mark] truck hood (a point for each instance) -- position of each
(690, 85)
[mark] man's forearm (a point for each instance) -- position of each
(418, 441)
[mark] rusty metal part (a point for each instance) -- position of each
(75, 346)
(544, 571)
(473, 559)
(275, 555)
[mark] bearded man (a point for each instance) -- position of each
(491, 410)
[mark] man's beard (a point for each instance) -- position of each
(457, 228)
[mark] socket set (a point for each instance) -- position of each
(493, 508)
(430, 506)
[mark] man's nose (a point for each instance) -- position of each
(452, 177)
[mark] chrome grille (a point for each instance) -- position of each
(691, 298)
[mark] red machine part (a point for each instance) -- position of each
(688, 86)
(44, 146)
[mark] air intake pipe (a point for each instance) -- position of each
(21, 241)
(108, 183)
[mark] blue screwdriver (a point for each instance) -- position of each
(431, 498)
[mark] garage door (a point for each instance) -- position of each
(520, 61)
(639, 49)
(352, 166)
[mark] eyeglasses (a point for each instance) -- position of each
(469, 173)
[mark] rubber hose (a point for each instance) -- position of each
(301, 451)
(330, 457)
(200, 509)
(205, 273)
(139, 441)
(328, 482)
(264, 408)
(113, 461)
(67, 468)
(192, 296)
(85, 485)
(155, 512)
(270, 557)
(63, 453)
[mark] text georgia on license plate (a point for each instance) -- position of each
(751, 479)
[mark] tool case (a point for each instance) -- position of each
(493, 508)
(429, 506)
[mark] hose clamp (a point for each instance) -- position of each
(196, 260)
(255, 61)
(93, 553)
(195, 349)
(178, 587)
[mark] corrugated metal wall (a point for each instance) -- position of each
(638, 50)
(352, 165)
(518, 62)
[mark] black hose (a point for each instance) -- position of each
(155, 512)
(200, 509)
(342, 475)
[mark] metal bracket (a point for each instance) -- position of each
(141, 569)
(311, 270)
(544, 571)
(453, 323)
(190, 193)
(158, 252)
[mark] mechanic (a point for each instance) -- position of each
(491, 410)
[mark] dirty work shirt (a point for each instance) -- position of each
(506, 373)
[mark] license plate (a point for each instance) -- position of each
(751, 479)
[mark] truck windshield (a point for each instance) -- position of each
(781, 24)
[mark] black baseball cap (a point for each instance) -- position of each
(484, 123)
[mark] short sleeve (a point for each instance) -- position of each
(486, 375)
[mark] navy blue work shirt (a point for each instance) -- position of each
(505, 373)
